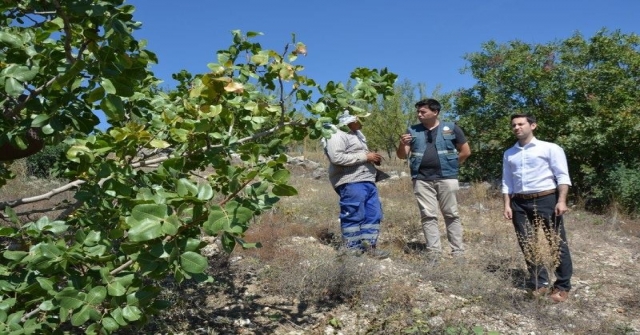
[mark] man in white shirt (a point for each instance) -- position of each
(535, 183)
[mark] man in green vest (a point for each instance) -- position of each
(435, 150)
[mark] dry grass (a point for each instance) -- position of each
(298, 283)
(414, 294)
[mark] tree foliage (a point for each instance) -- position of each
(138, 217)
(389, 119)
(584, 93)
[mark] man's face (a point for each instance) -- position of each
(356, 125)
(426, 114)
(522, 128)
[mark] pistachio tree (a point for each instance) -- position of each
(170, 167)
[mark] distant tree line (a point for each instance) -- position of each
(584, 92)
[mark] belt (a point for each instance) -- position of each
(533, 195)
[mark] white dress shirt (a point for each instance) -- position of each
(536, 167)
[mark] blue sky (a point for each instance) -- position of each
(423, 41)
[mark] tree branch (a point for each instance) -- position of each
(150, 162)
(67, 31)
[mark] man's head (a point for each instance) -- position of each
(523, 125)
(431, 104)
(351, 121)
(428, 110)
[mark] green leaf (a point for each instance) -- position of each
(239, 213)
(117, 316)
(261, 58)
(193, 262)
(47, 305)
(205, 192)
(70, 298)
(8, 211)
(64, 314)
(192, 244)
(131, 313)
(10, 39)
(171, 225)
(284, 190)
(160, 144)
(216, 221)
(47, 129)
(95, 95)
(146, 222)
(118, 287)
(20, 72)
(108, 86)
(92, 238)
(113, 107)
(14, 255)
(186, 188)
(96, 251)
(6, 304)
(179, 135)
(110, 324)
(65, 77)
(13, 87)
(228, 242)
(80, 317)
(45, 283)
(75, 153)
(281, 176)
(96, 295)
(40, 120)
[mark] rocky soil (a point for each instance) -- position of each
(605, 297)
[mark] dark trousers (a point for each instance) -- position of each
(528, 214)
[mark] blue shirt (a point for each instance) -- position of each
(536, 167)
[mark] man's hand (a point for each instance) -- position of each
(405, 139)
(561, 208)
(508, 214)
(374, 157)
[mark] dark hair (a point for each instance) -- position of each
(432, 104)
(530, 118)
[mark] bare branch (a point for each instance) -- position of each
(40, 210)
(30, 314)
(67, 30)
(45, 196)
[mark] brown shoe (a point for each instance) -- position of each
(540, 292)
(559, 295)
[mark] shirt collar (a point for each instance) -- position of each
(534, 141)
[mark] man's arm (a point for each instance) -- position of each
(508, 214)
(507, 187)
(561, 205)
(404, 147)
(464, 151)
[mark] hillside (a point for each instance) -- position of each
(297, 283)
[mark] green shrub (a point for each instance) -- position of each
(625, 187)
(42, 164)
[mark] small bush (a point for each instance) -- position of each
(42, 164)
(625, 188)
